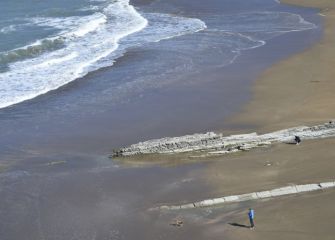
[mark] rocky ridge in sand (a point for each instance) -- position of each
(214, 143)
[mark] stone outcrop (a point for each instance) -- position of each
(289, 190)
(214, 143)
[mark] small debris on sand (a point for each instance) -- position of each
(177, 223)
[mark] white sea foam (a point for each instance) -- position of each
(8, 29)
(69, 27)
(87, 39)
(29, 78)
(87, 43)
(54, 61)
(160, 27)
(265, 22)
(90, 8)
(78, 26)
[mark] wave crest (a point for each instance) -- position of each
(82, 45)
(31, 51)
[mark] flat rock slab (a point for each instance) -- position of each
(289, 190)
(214, 143)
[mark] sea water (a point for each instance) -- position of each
(47, 44)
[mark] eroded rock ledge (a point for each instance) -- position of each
(214, 143)
(289, 190)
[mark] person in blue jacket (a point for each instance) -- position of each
(251, 215)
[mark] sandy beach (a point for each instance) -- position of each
(57, 181)
(296, 91)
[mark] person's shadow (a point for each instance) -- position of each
(239, 225)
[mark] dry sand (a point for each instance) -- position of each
(299, 90)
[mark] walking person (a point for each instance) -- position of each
(297, 140)
(251, 215)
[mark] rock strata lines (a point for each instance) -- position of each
(214, 143)
(289, 190)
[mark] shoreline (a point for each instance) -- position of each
(91, 196)
(297, 90)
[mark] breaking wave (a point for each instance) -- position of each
(83, 44)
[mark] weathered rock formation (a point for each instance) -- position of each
(294, 189)
(214, 143)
